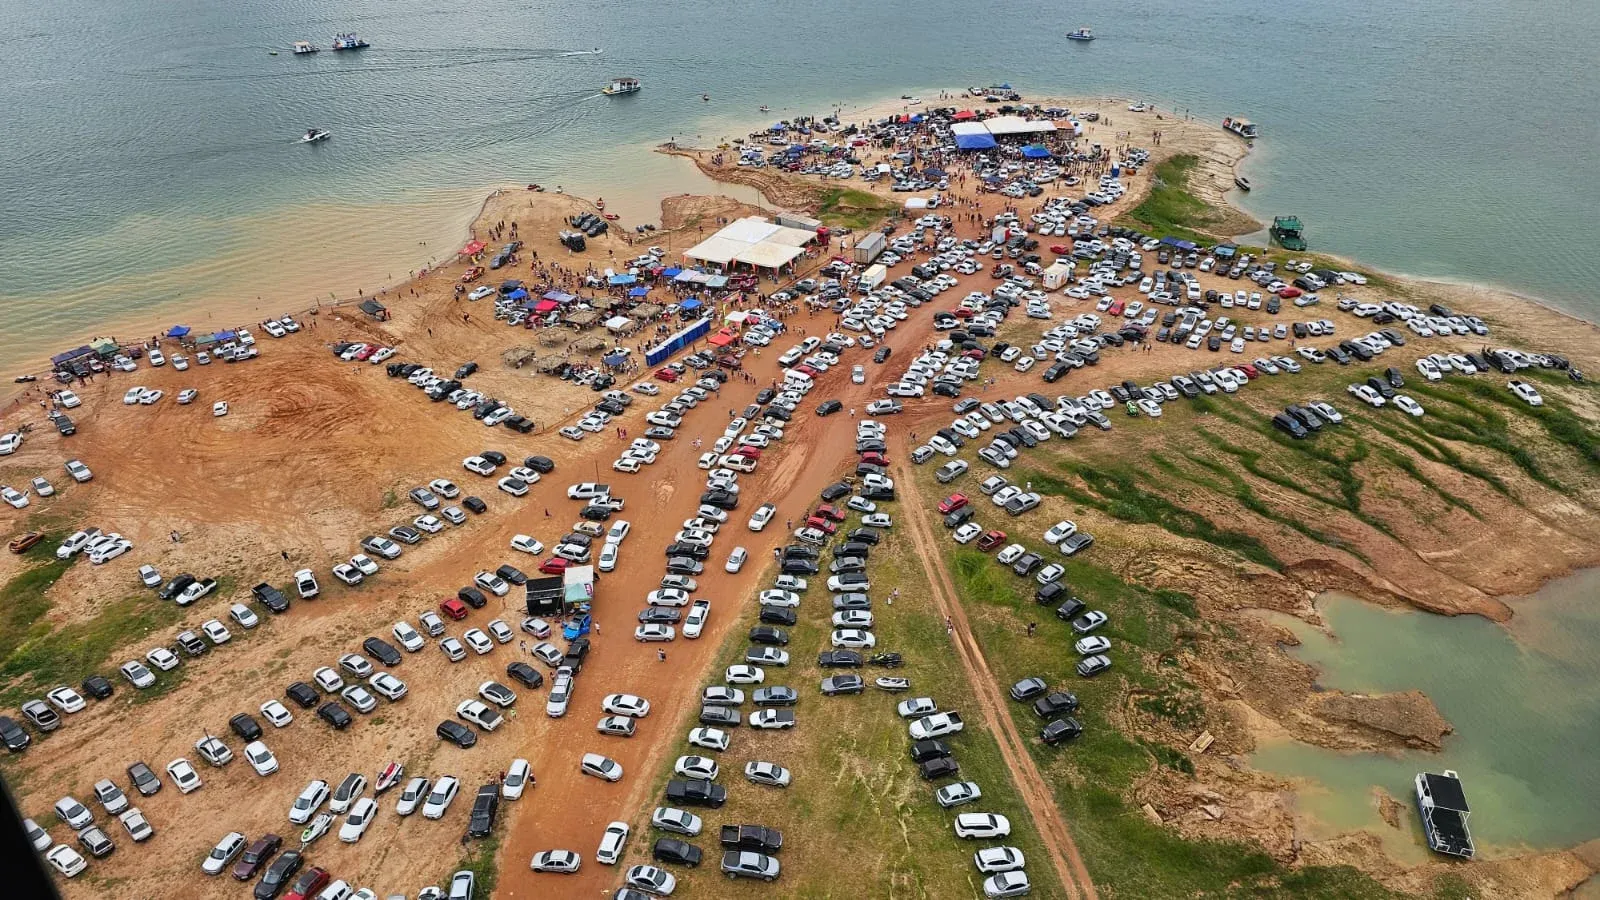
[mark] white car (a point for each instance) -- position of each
(563, 861)
(526, 544)
(65, 860)
(219, 408)
(359, 820)
(43, 488)
(676, 821)
(1059, 532)
(439, 799)
(770, 774)
(231, 845)
(744, 674)
(612, 842)
(411, 796)
(478, 465)
(216, 632)
(626, 705)
(1366, 394)
(1525, 392)
(982, 826)
(695, 622)
(492, 583)
(477, 640)
(182, 773)
(260, 758)
(696, 767)
(966, 532)
(276, 713)
(853, 639)
(1408, 406)
(408, 637)
(607, 561)
(66, 699)
(651, 633)
(762, 516)
(709, 738)
(518, 776)
(736, 559)
(601, 767)
(137, 826)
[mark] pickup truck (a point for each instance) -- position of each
(752, 837)
(270, 597)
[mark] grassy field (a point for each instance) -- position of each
(853, 209)
(1171, 210)
(858, 820)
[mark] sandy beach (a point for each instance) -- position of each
(317, 452)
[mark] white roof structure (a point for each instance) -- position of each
(961, 128)
(1002, 125)
(753, 241)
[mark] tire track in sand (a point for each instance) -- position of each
(1035, 792)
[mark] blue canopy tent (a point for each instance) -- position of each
(691, 303)
(178, 331)
(560, 296)
(670, 272)
(975, 142)
(638, 291)
(934, 173)
(1179, 245)
(621, 279)
(615, 359)
(1034, 151)
(518, 294)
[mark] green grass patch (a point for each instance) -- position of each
(1170, 210)
(480, 861)
(46, 657)
(853, 209)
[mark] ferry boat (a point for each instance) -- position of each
(349, 41)
(1082, 34)
(301, 48)
(1242, 127)
(1443, 807)
(1287, 232)
(621, 86)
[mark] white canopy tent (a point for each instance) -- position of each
(752, 241)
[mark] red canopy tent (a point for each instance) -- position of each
(722, 338)
(964, 115)
(545, 306)
(472, 249)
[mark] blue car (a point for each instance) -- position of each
(577, 629)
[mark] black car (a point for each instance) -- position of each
(834, 491)
(1026, 563)
(1071, 609)
(922, 751)
(852, 548)
(472, 597)
(848, 683)
(800, 551)
(1060, 730)
(829, 407)
(484, 807)
(512, 574)
(767, 634)
(696, 792)
(526, 674)
(864, 536)
(277, 876)
(1048, 594)
(97, 686)
(1394, 378)
(697, 552)
(596, 513)
(959, 517)
(176, 586)
(722, 716)
(881, 354)
(720, 499)
(943, 767)
(335, 715)
(456, 733)
(475, 504)
(382, 651)
(304, 695)
(270, 597)
(1077, 542)
(246, 727)
(778, 615)
(144, 780)
(800, 567)
(494, 456)
(659, 615)
(541, 464)
(467, 368)
(16, 739)
(839, 659)
(1289, 425)
(1304, 416)
(672, 850)
(1054, 704)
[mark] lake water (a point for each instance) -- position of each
(148, 161)
(1524, 700)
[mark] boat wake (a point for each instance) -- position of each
(595, 52)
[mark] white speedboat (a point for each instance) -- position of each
(314, 135)
(1082, 34)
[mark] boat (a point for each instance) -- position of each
(1137, 107)
(1242, 182)
(389, 777)
(349, 41)
(1443, 807)
(610, 217)
(301, 48)
(706, 97)
(318, 827)
(1242, 127)
(765, 108)
(893, 685)
(314, 135)
(1082, 34)
(621, 86)
(1286, 232)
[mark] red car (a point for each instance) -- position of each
(472, 274)
(962, 313)
(808, 369)
(666, 375)
(1289, 293)
(366, 352)
(991, 540)
(306, 886)
(1115, 309)
(822, 525)
(454, 608)
(952, 503)
(748, 451)
(830, 512)
(1249, 370)
(555, 565)
(256, 856)
(875, 458)
(973, 354)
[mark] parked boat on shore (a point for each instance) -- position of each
(1287, 232)
(1443, 806)
(1242, 127)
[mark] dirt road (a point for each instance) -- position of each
(1035, 792)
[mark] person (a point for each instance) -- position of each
(1031, 627)
(661, 655)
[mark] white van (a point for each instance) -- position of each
(798, 380)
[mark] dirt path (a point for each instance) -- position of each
(1035, 793)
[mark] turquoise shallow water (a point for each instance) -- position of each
(147, 158)
(1524, 700)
